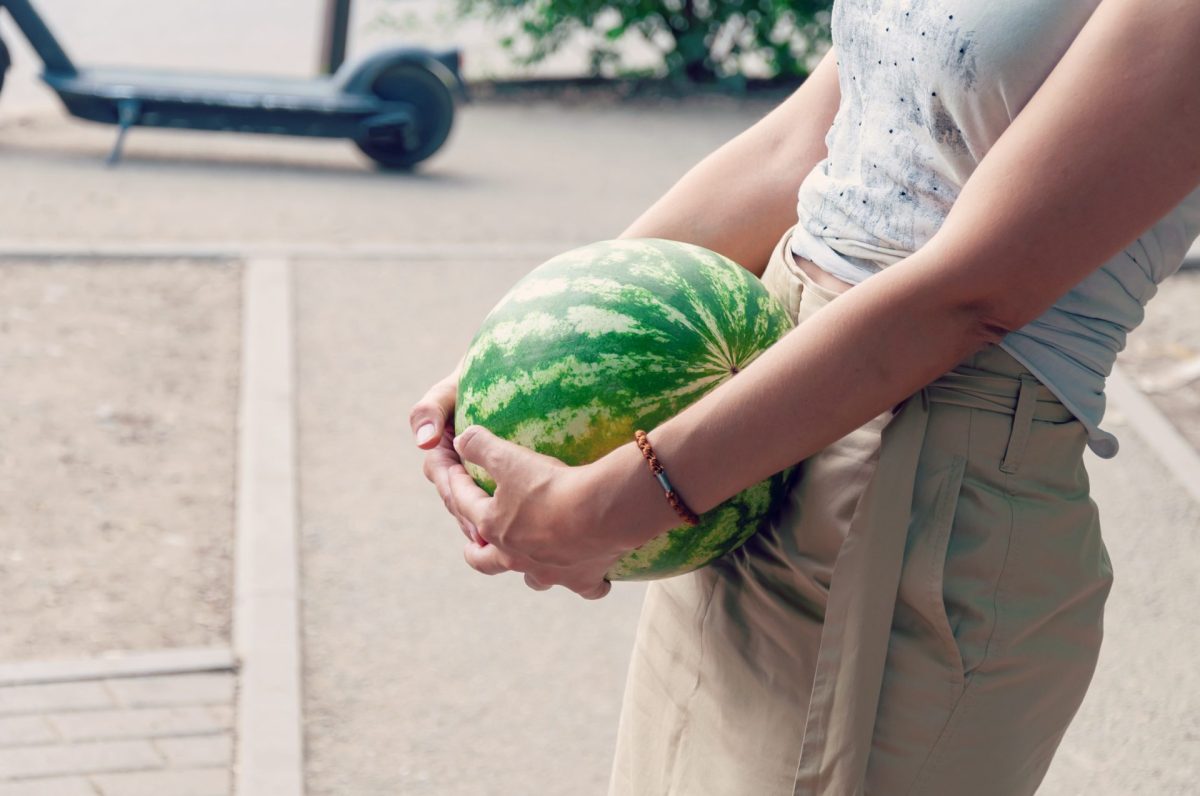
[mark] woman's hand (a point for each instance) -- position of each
(557, 524)
(545, 519)
(432, 422)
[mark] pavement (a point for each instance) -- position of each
(406, 672)
(135, 725)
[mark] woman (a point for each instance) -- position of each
(988, 195)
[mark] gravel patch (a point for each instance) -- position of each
(117, 441)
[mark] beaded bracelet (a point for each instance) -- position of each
(643, 443)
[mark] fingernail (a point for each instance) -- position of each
(471, 529)
(425, 433)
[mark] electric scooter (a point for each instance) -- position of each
(396, 105)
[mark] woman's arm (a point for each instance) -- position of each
(1108, 145)
(740, 199)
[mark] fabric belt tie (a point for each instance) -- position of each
(866, 576)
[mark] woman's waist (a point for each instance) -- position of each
(990, 378)
(817, 275)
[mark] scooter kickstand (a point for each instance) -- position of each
(128, 111)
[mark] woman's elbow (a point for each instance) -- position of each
(991, 322)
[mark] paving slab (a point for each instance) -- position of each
(99, 737)
(192, 720)
(30, 762)
(196, 751)
(194, 782)
(26, 730)
(179, 689)
(56, 786)
(40, 699)
(116, 467)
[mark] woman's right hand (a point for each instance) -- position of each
(432, 422)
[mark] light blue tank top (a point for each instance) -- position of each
(927, 86)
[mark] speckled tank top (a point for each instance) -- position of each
(927, 87)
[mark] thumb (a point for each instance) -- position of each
(479, 446)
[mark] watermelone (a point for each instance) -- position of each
(616, 336)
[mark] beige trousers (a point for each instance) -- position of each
(923, 617)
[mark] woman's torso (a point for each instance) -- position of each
(927, 87)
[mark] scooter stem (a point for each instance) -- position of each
(39, 36)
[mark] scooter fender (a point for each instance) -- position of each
(359, 77)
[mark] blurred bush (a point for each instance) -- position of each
(700, 41)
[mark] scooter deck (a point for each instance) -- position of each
(283, 106)
(321, 95)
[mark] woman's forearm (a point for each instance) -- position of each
(860, 356)
(742, 197)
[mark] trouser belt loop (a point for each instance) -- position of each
(1022, 424)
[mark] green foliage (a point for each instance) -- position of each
(700, 40)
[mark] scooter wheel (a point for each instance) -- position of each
(433, 114)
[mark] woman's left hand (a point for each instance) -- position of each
(542, 520)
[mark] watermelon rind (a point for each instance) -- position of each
(616, 336)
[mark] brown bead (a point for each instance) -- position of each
(681, 508)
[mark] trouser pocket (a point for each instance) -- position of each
(921, 612)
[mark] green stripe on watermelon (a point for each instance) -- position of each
(616, 336)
